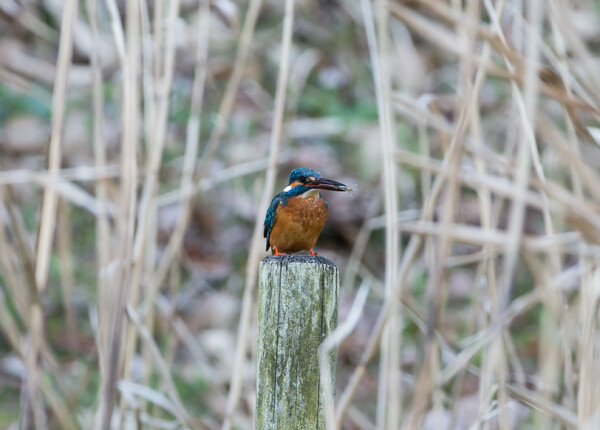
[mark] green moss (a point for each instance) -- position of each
(320, 102)
(192, 391)
(9, 399)
(88, 397)
(13, 103)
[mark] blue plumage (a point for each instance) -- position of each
(270, 218)
(300, 175)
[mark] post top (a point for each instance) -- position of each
(298, 258)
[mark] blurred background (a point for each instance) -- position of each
(141, 142)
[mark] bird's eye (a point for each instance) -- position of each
(303, 179)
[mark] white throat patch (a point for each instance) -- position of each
(311, 193)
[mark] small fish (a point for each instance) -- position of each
(349, 189)
(338, 186)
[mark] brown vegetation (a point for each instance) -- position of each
(141, 142)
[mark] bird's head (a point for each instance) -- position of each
(303, 180)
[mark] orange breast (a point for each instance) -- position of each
(298, 224)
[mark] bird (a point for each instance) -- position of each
(297, 215)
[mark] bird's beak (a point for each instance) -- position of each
(326, 184)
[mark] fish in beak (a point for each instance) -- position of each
(328, 184)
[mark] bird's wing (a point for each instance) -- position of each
(270, 218)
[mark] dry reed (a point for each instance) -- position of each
(483, 167)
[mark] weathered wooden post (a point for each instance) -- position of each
(297, 309)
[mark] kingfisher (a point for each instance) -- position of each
(297, 215)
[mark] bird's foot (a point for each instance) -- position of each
(312, 252)
(278, 253)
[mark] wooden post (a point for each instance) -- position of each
(297, 309)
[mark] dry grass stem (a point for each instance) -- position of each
(66, 269)
(334, 339)
(48, 211)
(147, 210)
(161, 366)
(245, 40)
(256, 243)
(191, 146)
(118, 276)
(379, 49)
